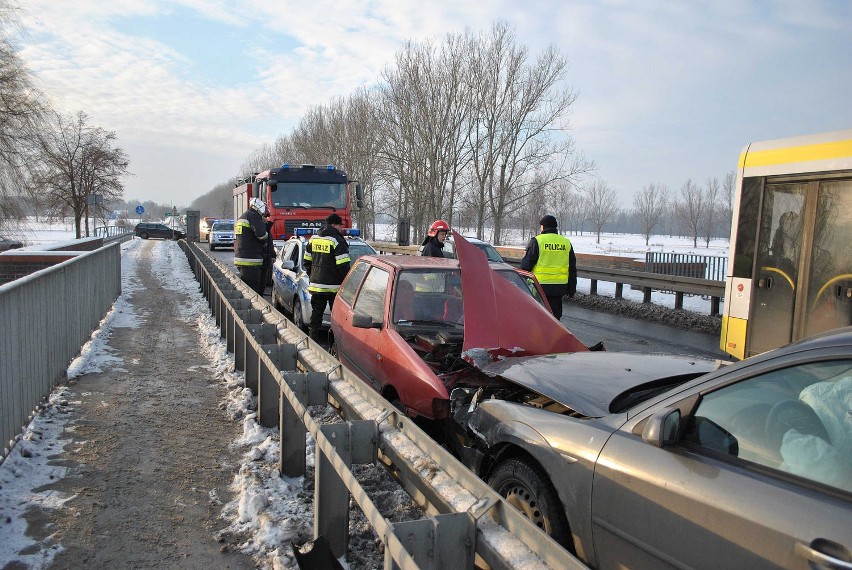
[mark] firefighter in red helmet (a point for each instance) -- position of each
(433, 245)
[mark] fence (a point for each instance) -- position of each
(45, 318)
(712, 267)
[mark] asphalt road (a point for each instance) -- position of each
(618, 333)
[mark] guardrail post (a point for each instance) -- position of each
(619, 290)
(283, 357)
(248, 316)
(678, 300)
(646, 294)
(714, 306)
(262, 333)
(443, 541)
(310, 389)
(228, 327)
(218, 304)
(355, 442)
(593, 287)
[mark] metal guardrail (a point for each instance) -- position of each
(713, 267)
(35, 351)
(646, 281)
(468, 522)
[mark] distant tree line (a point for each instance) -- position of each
(57, 165)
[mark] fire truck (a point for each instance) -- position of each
(299, 196)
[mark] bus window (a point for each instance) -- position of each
(747, 228)
(830, 287)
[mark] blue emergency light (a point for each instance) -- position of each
(330, 167)
(285, 166)
(301, 232)
(352, 232)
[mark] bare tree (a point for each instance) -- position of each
(689, 209)
(22, 113)
(711, 198)
(78, 162)
(650, 205)
(729, 184)
(520, 104)
(601, 205)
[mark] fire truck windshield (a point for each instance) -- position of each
(309, 195)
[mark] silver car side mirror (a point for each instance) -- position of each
(288, 264)
(662, 428)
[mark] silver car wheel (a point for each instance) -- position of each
(298, 319)
(525, 486)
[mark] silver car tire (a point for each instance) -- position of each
(298, 319)
(525, 486)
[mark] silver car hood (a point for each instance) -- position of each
(589, 382)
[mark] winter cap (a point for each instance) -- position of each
(333, 219)
(548, 221)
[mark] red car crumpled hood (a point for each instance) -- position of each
(500, 319)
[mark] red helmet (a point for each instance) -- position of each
(438, 226)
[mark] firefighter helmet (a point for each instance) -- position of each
(438, 226)
(257, 204)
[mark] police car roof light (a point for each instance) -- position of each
(330, 167)
(305, 231)
(285, 166)
(352, 232)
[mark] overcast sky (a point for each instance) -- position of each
(668, 90)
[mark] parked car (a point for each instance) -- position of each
(402, 324)
(221, 234)
(631, 460)
(204, 227)
(290, 282)
(450, 249)
(490, 252)
(6, 244)
(147, 230)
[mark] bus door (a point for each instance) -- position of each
(777, 264)
(829, 289)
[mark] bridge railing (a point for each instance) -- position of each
(468, 522)
(45, 319)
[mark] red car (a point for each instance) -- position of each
(415, 328)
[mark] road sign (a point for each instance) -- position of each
(140, 209)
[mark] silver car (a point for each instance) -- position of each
(290, 281)
(221, 234)
(645, 461)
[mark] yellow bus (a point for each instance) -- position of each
(790, 266)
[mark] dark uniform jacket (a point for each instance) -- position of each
(326, 260)
(432, 247)
(250, 239)
(531, 259)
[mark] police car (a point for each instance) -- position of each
(290, 281)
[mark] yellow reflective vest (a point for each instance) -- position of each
(553, 256)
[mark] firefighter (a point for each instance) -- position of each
(433, 244)
(269, 254)
(250, 243)
(550, 257)
(326, 262)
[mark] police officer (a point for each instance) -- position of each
(326, 261)
(250, 243)
(433, 244)
(551, 259)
